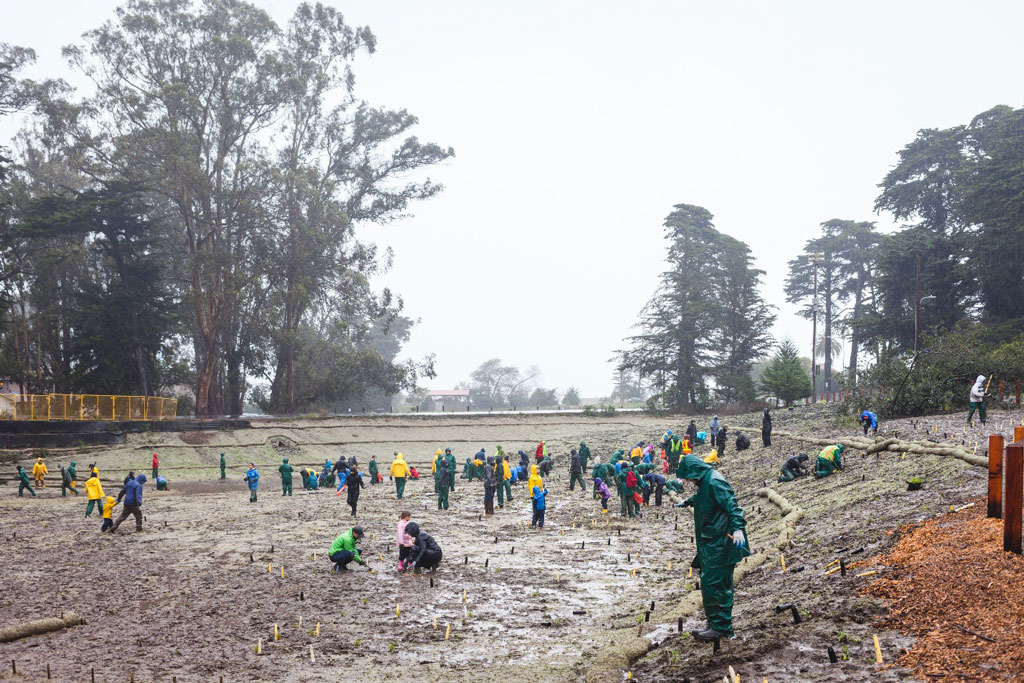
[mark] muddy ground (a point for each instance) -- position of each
(191, 594)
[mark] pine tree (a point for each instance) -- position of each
(784, 377)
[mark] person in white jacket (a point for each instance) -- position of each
(977, 400)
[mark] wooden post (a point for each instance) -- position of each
(1018, 392)
(1018, 434)
(995, 476)
(1014, 492)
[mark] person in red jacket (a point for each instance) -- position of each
(156, 466)
(539, 453)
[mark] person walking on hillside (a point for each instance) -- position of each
(584, 455)
(132, 503)
(374, 472)
(713, 428)
(719, 526)
(65, 482)
(156, 466)
(252, 478)
(24, 484)
(720, 439)
(39, 473)
(286, 478)
(399, 472)
(576, 471)
(223, 464)
(354, 481)
(977, 401)
(94, 492)
(766, 429)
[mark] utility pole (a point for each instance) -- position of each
(814, 333)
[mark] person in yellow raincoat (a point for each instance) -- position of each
(712, 458)
(94, 491)
(534, 480)
(38, 472)
(108, 513)
(399, 472)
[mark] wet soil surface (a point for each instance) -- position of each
(191, 595)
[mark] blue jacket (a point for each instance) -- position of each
(253, 477)
(539, 496)
(133, 491)
(868, 415)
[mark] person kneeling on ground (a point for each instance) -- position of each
(793, 468)
(161, 483)
(868, 419)
(742, 442)
(829, 460)
(719, 526)
(345, 549)
(426, 553)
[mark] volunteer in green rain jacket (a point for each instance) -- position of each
(716, 517)
(584, 454)
(286, 477)
(449, 462)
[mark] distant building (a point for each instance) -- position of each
(448, 399)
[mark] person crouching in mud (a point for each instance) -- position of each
(719, 525)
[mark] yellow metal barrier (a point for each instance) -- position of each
(25, 407)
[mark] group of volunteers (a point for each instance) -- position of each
(130, 493)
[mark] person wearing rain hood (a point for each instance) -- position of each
(541, 451)
(399, 472)
(719, 526)
(867, 420)
(977, 401)
(426, 553)
(584, 454)
(597, 472)
(576, 471)
(713, 428)
(449, 462)
(39, 473)
(252, 478)
(65, 482)
(539, 496)
(829, 460)
(223, 464)
(766, 429)
(534, 480)
(108, 513)
(666, 439)
(490, 484)
(441, 481)
(793, 468)
(286, 478)
(691, 432)
(25, 485)
(468, 470)
(94, 491)
(602, 490)
(675, 451)
(505, 482)
(354, 482)
(132, 503)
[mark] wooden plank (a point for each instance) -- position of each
(995, 476)
(1014, 494)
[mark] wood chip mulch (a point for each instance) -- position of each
(951, 586)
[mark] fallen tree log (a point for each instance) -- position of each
(39, 626)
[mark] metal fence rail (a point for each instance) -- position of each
(81, 407)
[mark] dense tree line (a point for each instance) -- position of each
(197, 212)
(956, 261)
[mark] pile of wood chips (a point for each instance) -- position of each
(960, 595)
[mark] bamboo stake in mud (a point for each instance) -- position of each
(316, 631)
(448, 632)
(878, 650)
(782, 559)
(282, 571)
(463, 596)
(435, 623)
(268, 568)
(995, 476)
(398, 609)
(312, 659)
(277, 635)
(259, 647)
(1014, 493)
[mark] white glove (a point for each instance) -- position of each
(738, 539)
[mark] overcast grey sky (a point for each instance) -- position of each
(577, 125)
